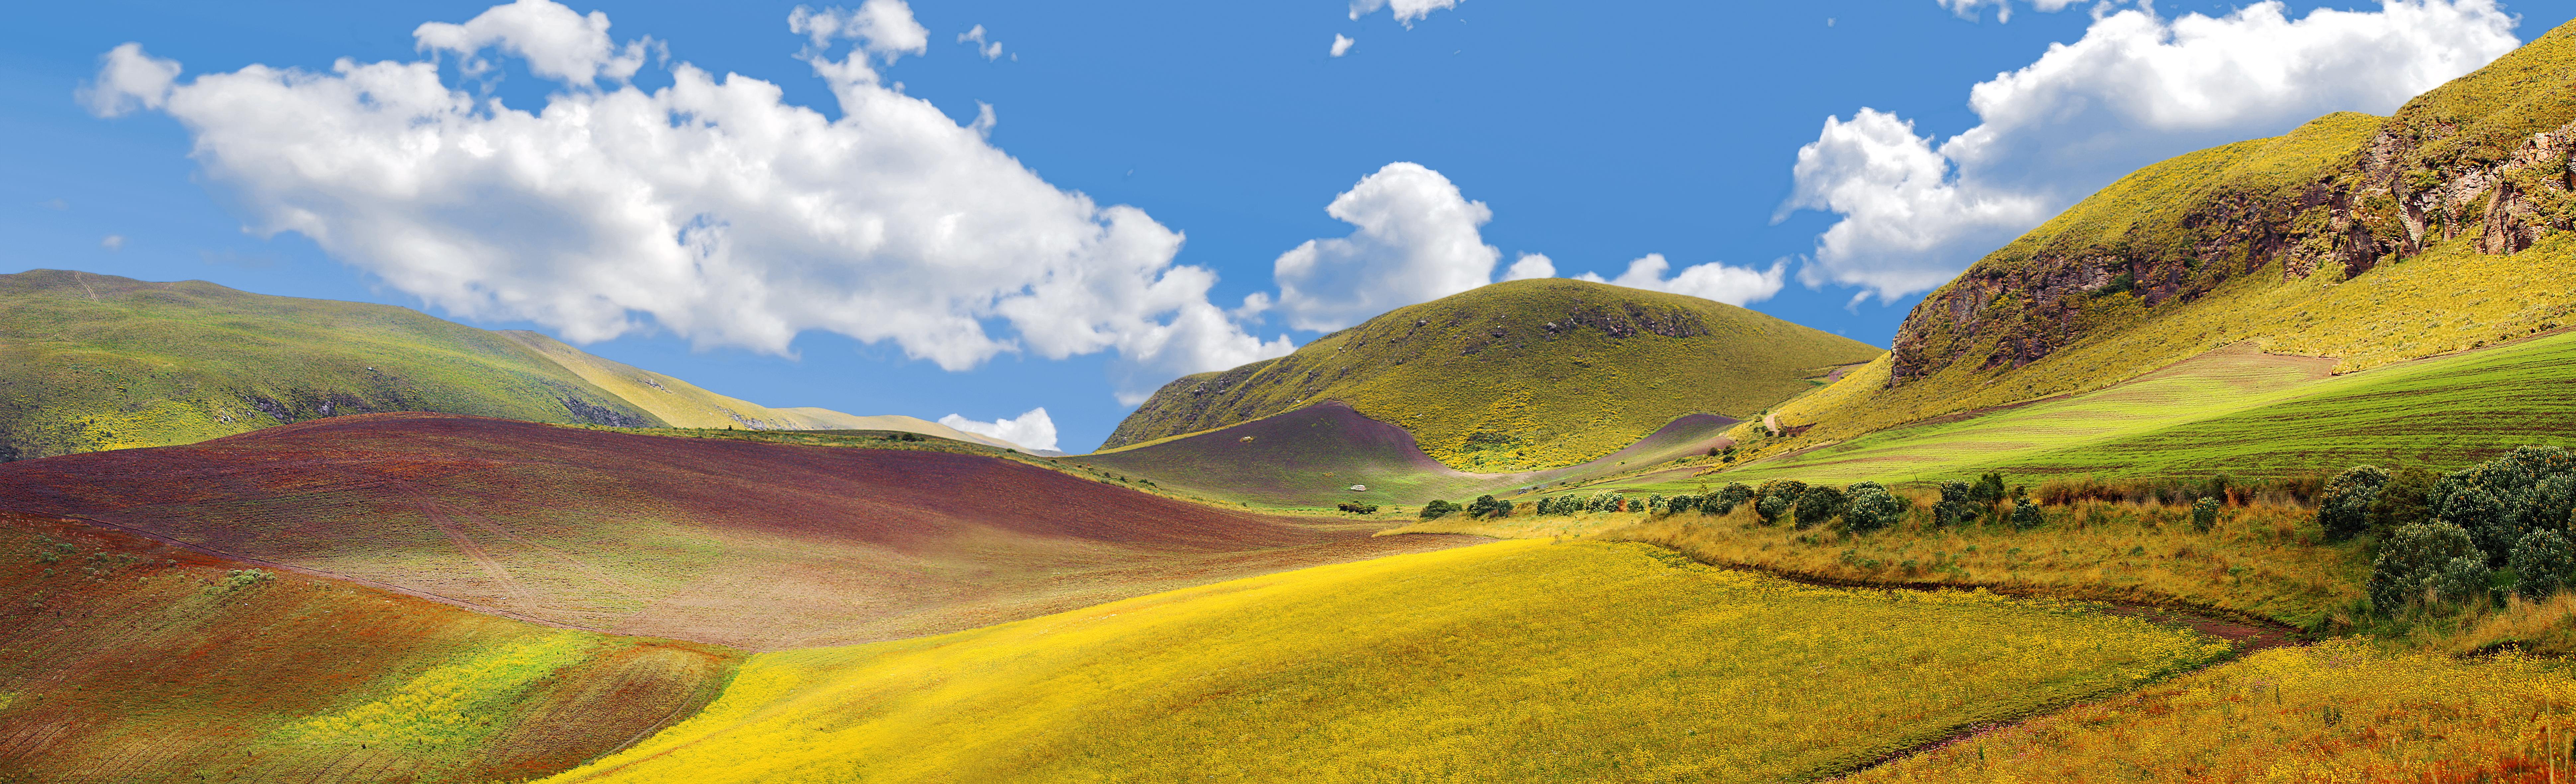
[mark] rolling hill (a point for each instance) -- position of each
(733, 541)
(1519, 376)
(1314, 456)
(91, 362)
(129, 660)
(2370, 240)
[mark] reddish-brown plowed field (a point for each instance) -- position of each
(124, 659)
(758, 545)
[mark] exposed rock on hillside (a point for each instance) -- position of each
(2484, 157)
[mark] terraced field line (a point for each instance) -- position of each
(309, 572)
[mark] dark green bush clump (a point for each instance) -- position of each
(1438, 509)
(1957, 506)
(1355, 507)
(2204, 514)
(1733, 495)
(2413, 566)
(1819, 505)
(2026, 514)
(2407, 499)
(1870, 507)
(1776, 498)
(1488, 506)
(2545, 561)
(2502, 499)
(2344, 510)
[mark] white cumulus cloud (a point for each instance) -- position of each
(556, 42)
(2137, 88)
(113, 242)
(1531, 265)
(1342, 44)
(1416, 239)
(1032, 430)
(1406, 11)
(991, 50)
(2003, 8)
(1712, 281)
(884, 28)
(128, 80)
(710, 208)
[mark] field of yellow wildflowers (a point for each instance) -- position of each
(1513, 661)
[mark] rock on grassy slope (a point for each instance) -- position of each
(125, 659)
(1519, 375)
(91, 362)
(2367, 239)
(725, 540)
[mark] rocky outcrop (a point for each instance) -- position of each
(2421, 179)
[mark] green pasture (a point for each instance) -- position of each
(2238, 413)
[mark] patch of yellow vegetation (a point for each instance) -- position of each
(1513, 661)
(450, 705)
(2338, 711)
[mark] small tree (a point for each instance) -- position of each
(2204, 514)
(1988, 491)
(1871, 508)
(2545, 561)
(2026, 514)
(2344, 510)
(1484, 506)
(2412, 562)
(1655, 503)
(1820, 505)
(1681, 503)
(2500, 500)
(1776, 498)
(1355, 507)
(1438, 509)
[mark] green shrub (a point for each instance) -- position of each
(1988, 490)
(2462, 581)
(2344, 510)
(2500, 500)
(2204, 514)
(2545, 561)
(1733, 495)
(1871, 508)
(244, 578)
(1776, 498)
(1682, 503)
(2405, 500)
(1355, 507)
(2412, 562)
(1438, 509)
(1488, 506)
(2026, 514)
(1819, 505)
(1957, 505)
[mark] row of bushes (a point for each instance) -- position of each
(2459, 537)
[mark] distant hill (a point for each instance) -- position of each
(1521, 375)
(723, 540)
(91, 362)
(2370, 240)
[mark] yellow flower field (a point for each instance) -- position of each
(1513, 661)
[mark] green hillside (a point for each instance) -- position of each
(2369, 240)
(92, 362)
(1520, 375)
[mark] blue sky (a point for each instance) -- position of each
(1592, 134)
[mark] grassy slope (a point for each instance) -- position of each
(91, 362)
(729, 540)
(682, 404)
(1309, 458)
(1486, 362)
(1516, 661)
(2447, 298)
(122, 659)
(2232, 412)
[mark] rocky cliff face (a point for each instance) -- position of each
(2484, 160)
